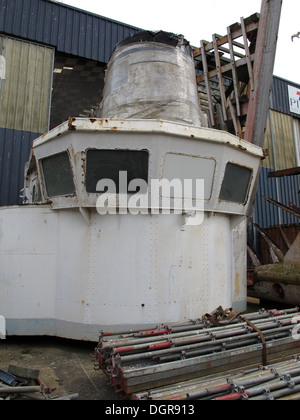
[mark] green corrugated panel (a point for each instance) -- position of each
(284, 140)
(269, 161)
(25, 93)
(280, 141)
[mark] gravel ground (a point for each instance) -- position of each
(63, 364)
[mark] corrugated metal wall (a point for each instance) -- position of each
(26, 92)
(280, 140)
(279, 100)
(296, 130)
(69, 30)
(284, 190)
(14, 152)
(25, 96)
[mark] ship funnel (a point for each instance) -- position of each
(151, 75)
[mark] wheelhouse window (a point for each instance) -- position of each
(236, 183)
(107, 164)
(58, 175)
(191, 168)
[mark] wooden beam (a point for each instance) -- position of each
(234, 73)
(236, 33)
(208, 90)
(225, 69)
(220, 77)
(283, 207)
(263, 71)
(284, 172)
(248, 55)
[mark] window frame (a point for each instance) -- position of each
(251, 170)
(45, 186)
(92, 191)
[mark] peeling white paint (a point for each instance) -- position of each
(2, 68)
(2, 328)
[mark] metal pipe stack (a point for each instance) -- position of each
(136, 361)
(276, 382)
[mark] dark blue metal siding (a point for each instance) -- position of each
(279, 100)
(284, 190)
(15, 148)
(69, 30)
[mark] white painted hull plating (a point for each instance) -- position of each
(61, 277)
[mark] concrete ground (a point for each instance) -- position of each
(63, 364)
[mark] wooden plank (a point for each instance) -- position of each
(220, 77)
(235, 120)
(282, 206)
(248, 55)
(284, 172)
(226, 68)
(237, 33)
(208, 90)
(234, 74)
(263, 71)
(235, 54)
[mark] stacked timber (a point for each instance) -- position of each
(136, 361)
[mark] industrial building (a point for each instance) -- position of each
(53, 60)
(282, 142)
(53, 66)
(282, 139)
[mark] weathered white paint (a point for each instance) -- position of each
(2, 328)
(67, 271)
(116, 272)
(2, 68)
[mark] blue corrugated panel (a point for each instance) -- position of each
(288, 193)
(68, 29)
(265, 214)
(279, 100)
(284, 190)
(15, 148)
